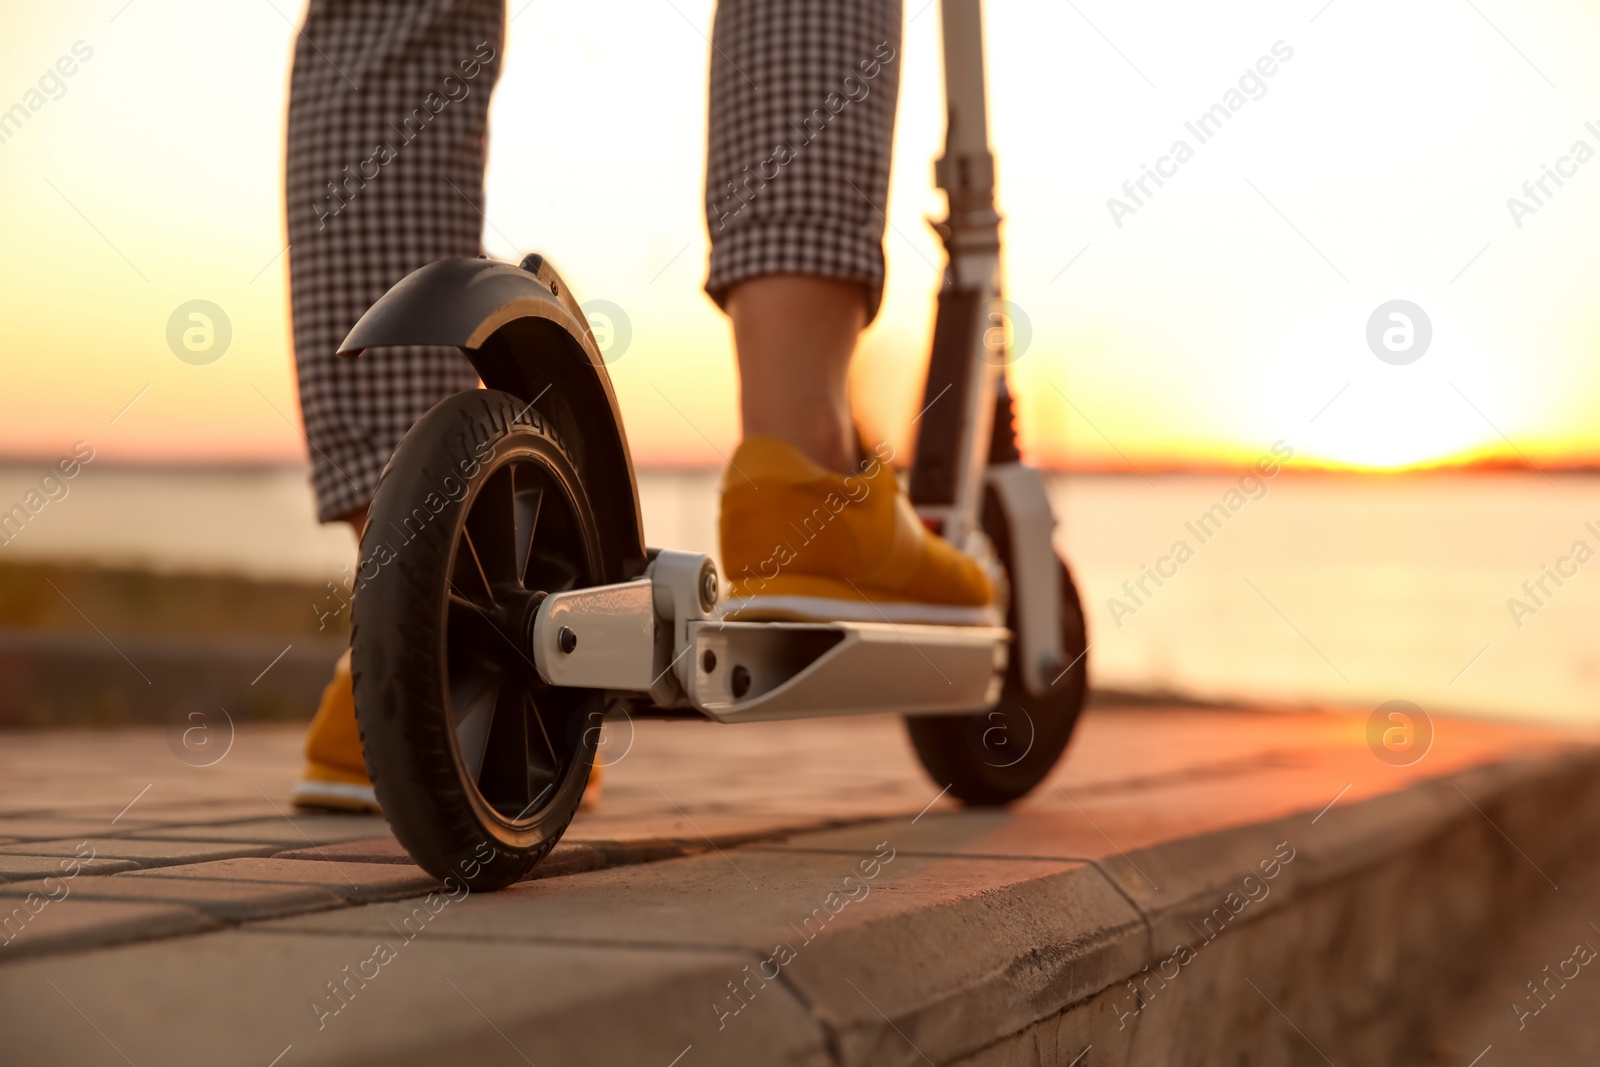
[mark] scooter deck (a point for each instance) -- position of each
(757, 671)
(661, 637)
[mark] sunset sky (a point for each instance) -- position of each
(1228, 312)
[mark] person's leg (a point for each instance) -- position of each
(802, 110)
(388, 106)
(797, 176)
(794, 335)
(388, 110)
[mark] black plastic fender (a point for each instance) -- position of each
(525, 335)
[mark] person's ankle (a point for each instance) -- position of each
(840, 457)
(837, 456)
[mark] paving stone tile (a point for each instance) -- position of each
(290, 831)
(144, 852)
(244, 998)
(39, 926)
(14, 867)
(229, 901)
(360, 882)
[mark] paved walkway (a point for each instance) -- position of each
(162, 912)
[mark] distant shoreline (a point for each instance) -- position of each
(1298, 470)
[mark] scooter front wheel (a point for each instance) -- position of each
(479, 765)
(1000, 754)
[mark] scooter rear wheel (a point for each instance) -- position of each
(999, 755)
(479, 765)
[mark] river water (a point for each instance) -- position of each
(1319, 589)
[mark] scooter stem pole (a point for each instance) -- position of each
(967, 166)
(949, 487)
(966, 171)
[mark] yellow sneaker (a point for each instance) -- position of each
(591, 788)
(335, 778)
(336, 775)
(800, 541)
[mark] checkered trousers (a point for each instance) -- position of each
(387, 113)
(388, 108)
(802, 117)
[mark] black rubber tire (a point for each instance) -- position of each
(477, 457)
(976, 755)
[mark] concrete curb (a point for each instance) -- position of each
(1386, 914)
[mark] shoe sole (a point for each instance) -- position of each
(337, 796)
(797, 608)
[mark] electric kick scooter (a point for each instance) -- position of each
(508, 602)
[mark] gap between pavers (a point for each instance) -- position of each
(14, 868)
(144, 853)
(286, 831)
(355, 882)
(47, 829)
(565, 858)
(39, 926)
(224, 901)
(574, 854)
